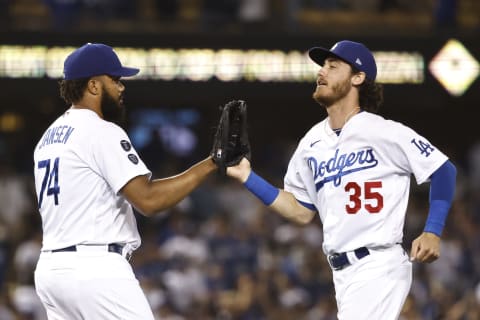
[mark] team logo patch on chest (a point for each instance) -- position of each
(333, 169)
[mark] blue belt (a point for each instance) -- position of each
(112, 247)
(338, 261)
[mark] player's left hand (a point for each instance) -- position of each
(425, 248)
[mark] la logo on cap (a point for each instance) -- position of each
(358, 61)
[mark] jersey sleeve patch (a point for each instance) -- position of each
(126, 145)
(423, 147)
(133, 158)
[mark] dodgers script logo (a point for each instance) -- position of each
(341, 165)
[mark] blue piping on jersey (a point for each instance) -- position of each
(308, 205)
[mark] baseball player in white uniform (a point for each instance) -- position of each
(87, 177)
(354, 169)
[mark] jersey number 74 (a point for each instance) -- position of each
(50, 177)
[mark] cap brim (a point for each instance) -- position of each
(319, 54)
(125, 72)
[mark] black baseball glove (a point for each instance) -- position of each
(230, 143)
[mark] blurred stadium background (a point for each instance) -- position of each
(220, 254)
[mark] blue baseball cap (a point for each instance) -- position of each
(354, 53)
(94, 59)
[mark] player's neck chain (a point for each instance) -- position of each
(351, 114)
(347, 117)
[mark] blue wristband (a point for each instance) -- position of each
(261, 188)
(437, 215)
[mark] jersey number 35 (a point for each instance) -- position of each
(372, 200)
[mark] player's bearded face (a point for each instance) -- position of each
(113, 109)
(331, 93)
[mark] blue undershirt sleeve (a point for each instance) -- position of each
(442, 190)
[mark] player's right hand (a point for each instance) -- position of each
(241, 171)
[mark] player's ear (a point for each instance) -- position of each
(358, 78)
(94, 86)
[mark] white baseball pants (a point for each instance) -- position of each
(374, 287)
(89, 285)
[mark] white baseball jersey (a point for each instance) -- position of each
(81, 163)
(359, 181)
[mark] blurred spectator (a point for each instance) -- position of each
(185, 244)
(25, 258)
(445, 268)
(15, 198)
(27, 303)
(253, 11)
(246, 206)
(324, 309)
(238, 302)
(185, 285)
